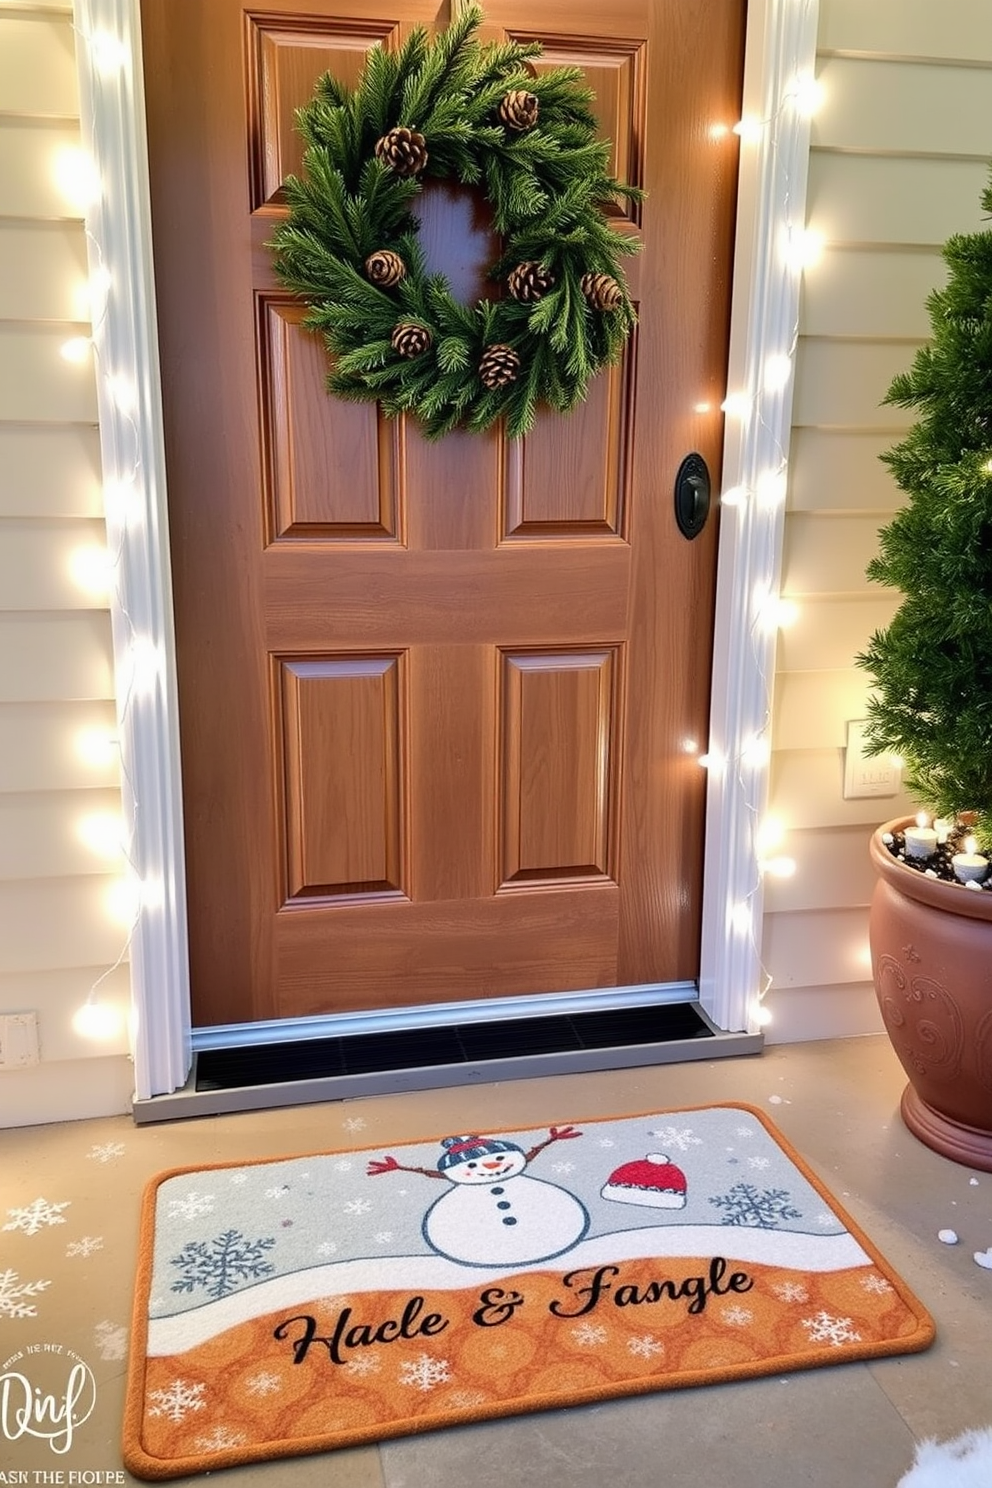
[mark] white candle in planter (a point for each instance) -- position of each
(942, 826)
(970, 866)
(921, 840)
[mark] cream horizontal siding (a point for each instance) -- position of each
(899, 158)
(63, 926)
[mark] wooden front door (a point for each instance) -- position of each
(436, 701)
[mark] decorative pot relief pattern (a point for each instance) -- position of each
(923, 1022)
(983, 1051)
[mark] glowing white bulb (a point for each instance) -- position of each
(97, 747)
(103, 833)
(76, 176)
(108, 52)
(735, 496)
(98, 291)
(718, 131)
(771, 833)
(771, 488)
(778, 613)
(778, 370)
(92, 570)
(763, 1016)
(702, 407)
(144, 663)
(690, 746)
(922, 820)
(97, 1020)
(120, 502)
(737, 405)
(749, 129)
(123, 392)
(988, 467)
(803, 247)
(712, 761)
(123, 900)
(805, 93)
(76, 350)
(780, 867)
(756, 751)
(740, 918)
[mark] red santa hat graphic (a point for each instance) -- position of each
(652, 1180)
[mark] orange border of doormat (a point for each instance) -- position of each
(913, 1331)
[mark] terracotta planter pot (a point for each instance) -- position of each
(931, 951)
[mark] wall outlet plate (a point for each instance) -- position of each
(865, 775)
(18, 1040)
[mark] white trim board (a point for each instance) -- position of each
(781, 40)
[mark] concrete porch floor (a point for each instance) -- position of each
(845, 1426)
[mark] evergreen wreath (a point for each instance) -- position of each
(452, 108)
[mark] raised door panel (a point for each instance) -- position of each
(286, 55)
(342, 755)
(559, 776)
(331, 471)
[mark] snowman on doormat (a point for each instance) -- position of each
(498, 1214)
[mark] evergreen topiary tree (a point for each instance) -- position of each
(932, 666)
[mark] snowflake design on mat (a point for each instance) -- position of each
(680, 1137)
(344, 1166)
(177, 1401)
(12, 1294)
(105, 1152)
(563, 1168)
(876, 1284)
(737, 1317)
(357, 1206)
(220, 1439)
(589, 1335)
(645, 1347)
(759, 1162)
(263, 1383)
(424, 1373)
(745, 1206)
(383, 1237)
(84, 1247)
(327, 1248)
(193, 1206)
(791, 1291)
(281, 1192)
(826, 1220)
(221, 1265)
(744, 1131)
(823, 1328)
(111, 1340)
(238, 1179)
(607, 1142)
(354, 1124)
(37, 1216)
(364, 1365)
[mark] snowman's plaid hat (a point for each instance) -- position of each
(464, 1149)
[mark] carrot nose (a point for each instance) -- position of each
(497, 1164)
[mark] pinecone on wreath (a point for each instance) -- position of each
(499, 366)
(602, 291)
(385, 268)
(409, 339)
(518, 110)
(403, 150)
(529, 281)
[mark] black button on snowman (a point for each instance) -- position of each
(496, 1214)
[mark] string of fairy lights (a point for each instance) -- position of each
(744, 762)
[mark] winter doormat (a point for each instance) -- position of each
(345, 1297)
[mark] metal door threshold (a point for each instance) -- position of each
(250, 1078)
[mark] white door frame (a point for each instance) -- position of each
(781, 42)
